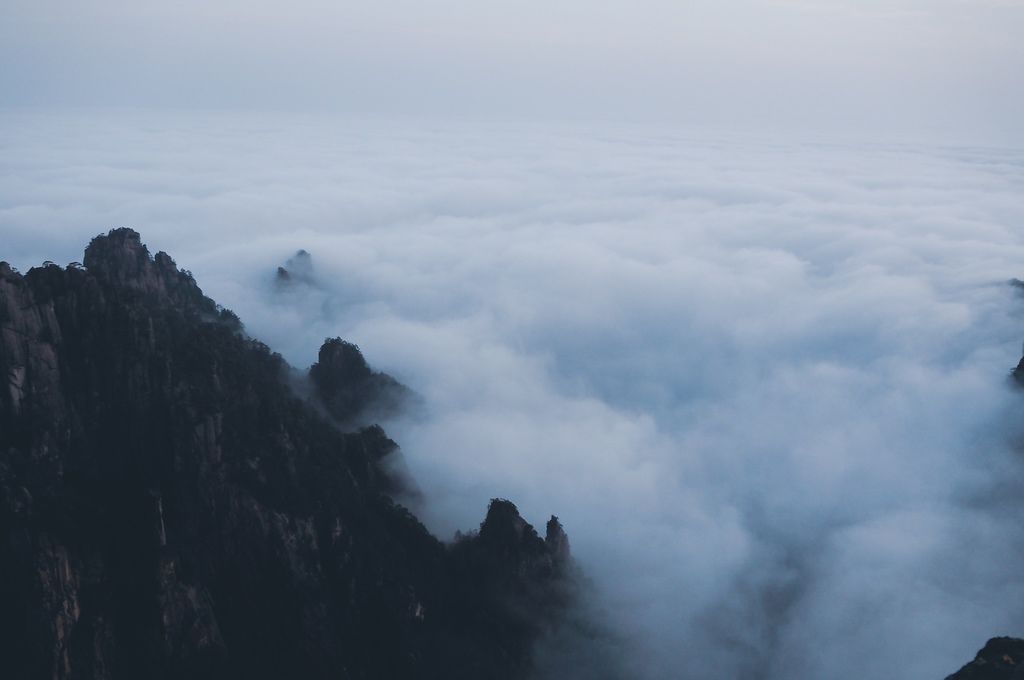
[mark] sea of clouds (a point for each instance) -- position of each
(762, 382)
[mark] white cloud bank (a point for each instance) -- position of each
(762, 384)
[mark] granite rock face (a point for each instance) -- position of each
(170, 508)
(1001, 658)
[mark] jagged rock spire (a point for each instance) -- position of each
(557, 541)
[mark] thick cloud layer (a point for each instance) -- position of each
(762, 383)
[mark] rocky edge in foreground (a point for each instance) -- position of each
(169, 508)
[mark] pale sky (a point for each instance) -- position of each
(939, 68)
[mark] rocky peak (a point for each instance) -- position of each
(339, 363)
(1002, 658)
(557, 541)
(511, 539)
(298, 269)
(121, 260)
(351, 391)
(503, 525)
(6, 271)
(509, 566)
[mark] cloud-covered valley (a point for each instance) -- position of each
(763, 383)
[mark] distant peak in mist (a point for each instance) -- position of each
(298, 269)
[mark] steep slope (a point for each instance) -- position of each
(169, 508)
(1000, 659)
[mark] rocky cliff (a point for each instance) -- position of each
(170, 508)
(1000, 659)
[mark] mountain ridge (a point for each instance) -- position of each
(170, 508)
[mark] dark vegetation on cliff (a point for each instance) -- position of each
(170, 508)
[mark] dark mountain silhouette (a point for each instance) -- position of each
(350, 390)
(1001, 658)
(171, 508)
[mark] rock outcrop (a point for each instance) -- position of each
(351, 391)
(170, 508)
(1001, 658)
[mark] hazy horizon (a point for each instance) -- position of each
(928, 69)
